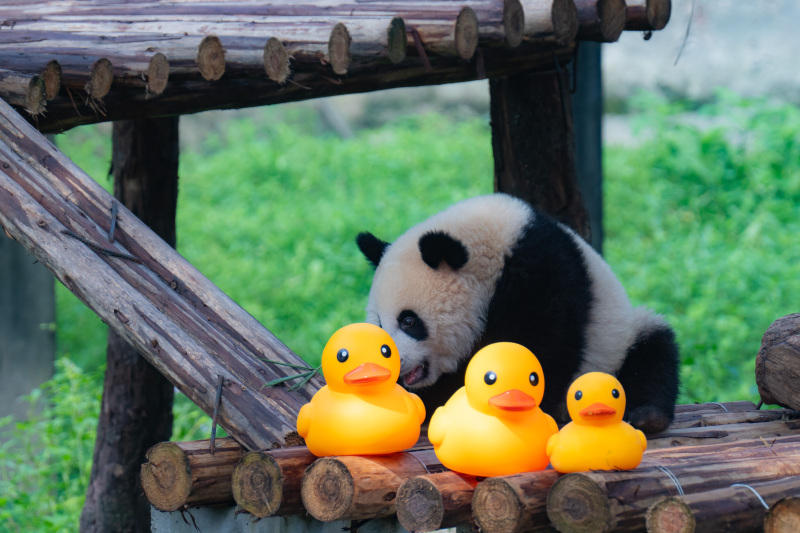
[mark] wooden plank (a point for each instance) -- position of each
(177, 319)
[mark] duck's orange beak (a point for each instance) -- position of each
(367, 373)
(513, 400)
(598, 410)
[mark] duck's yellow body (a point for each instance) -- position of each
(493, 426)
(361, 410)
(597, 438)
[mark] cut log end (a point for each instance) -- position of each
(613, 14)
(100, 77)
(258, 484)
(397, 40)
(419, 505)
(276, 61)
(35, 96)
(211, 58)
(52, 79)
(670, 515)
(466, 33)
(513, 22)
(575, 503)
(166, 477)
(496, 506)
(783, 517)
(328, 489)
(658, 13)
(157, 73)
(339, 49)
(565, 21)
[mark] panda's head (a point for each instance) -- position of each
(433, 285)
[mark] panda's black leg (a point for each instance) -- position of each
(650, 377)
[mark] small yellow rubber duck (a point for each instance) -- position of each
(362, 410)
(493, 425)
(597, 438)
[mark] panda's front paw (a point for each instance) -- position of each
(649, 419)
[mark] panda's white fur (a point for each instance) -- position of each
(453, 303)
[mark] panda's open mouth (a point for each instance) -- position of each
(417, 374)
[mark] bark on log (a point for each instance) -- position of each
(617, 501)
(534, 144)
(713, 407)
(176, 318)
(179, 475)
(743, 417)
(136, 410)
(778, 363)
(601, 20)
(784, 516)
(734, 509)
(513, 503)
(647, 15)
(267, 483)
(723, 433)
(435, 501)
(359, 487)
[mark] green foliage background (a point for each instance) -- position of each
(700, 220)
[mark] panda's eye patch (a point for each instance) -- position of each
(342, 355)
(615, 393)
(386, 351)
(578, 395)
(534, 378)
(412, 325)
(407, 322)
(490, 378)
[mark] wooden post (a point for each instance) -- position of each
(513, 503)
(267, 483)
(534, 144)
(178, 475)
(778, 363)
(435, 501)
(136, 410)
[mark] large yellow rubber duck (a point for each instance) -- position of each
(493, 425)
(597, 438)
(361, 410)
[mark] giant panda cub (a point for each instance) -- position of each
(493, 269)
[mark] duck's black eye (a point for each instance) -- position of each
(615, 393)
(386, 351)
(534, 378)
(490, 378)
(578, 395)
(342, 355)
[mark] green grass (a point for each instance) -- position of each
(700, 226)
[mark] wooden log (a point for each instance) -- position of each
(513, 503)
(557, 22)
(267, 483)
(359, 487)
(723, 433)
(783, 516)
(601, 20)
(742, 417)
(722, 452)
(647, 15)
(435, 501)
(617, 501)
(713, 407)
(778, 363)
(177, 319)
(735, 509)
(178, 475)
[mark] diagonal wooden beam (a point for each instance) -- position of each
(181, 322)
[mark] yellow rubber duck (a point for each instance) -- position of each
(493, 425)
(597, 438)
(361, 410)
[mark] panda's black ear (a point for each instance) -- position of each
(371, 246)
(438, 246)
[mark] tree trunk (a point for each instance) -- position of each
(534, 144)
(136, 410)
